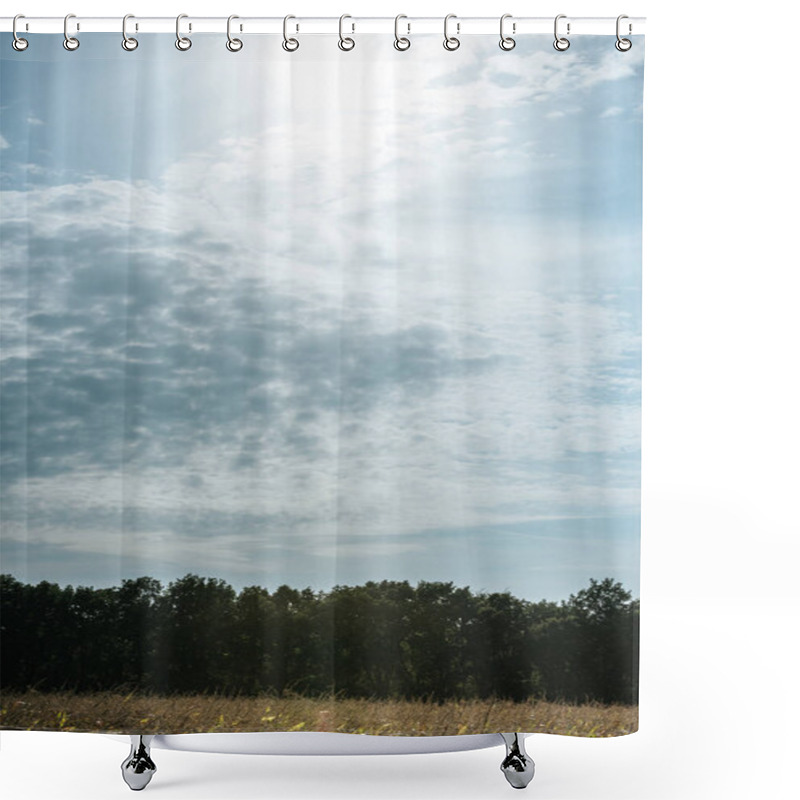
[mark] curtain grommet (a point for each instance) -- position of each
(70, 43)
(346, 43)
(561, 43)
(234, 45)
(183, 43)
(451, 43)
(128, 42)
(507, 42)
(18, 43)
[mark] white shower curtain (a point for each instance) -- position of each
(321, 385)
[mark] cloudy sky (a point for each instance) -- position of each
(321, 317)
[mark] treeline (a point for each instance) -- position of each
(380, 640)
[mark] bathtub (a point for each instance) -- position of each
(139, 766)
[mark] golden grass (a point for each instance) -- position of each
(112, 712)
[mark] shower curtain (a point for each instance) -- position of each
(321, 385)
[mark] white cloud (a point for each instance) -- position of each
(389, 454)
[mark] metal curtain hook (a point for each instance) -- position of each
(17, 42)
(623, 45)
(451, 42)
(506, 42)
(128, 42)
(70, 42)
(181, 42)
(290, 45)
(345, 42)
(561, 43)
(234, 45)
(401, 42)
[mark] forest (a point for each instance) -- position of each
(381, 640)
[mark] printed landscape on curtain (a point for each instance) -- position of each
(320, 386)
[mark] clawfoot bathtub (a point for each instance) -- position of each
(138, 768)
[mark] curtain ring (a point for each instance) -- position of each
(451, 42)
(401, 42)
(345, 42)
(70, 42)
(289, 45)
(506, 42)
(128, 42)
(561, 43)
(234, 45)
(181, 42)
(18, 43)
(623, 45)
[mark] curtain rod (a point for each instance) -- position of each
(463, 26)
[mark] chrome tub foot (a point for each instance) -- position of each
(517, 766)
(138, 768)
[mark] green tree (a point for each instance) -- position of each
(607, 643)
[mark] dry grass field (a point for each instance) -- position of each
(111, 712)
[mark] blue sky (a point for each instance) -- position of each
(321, 317)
